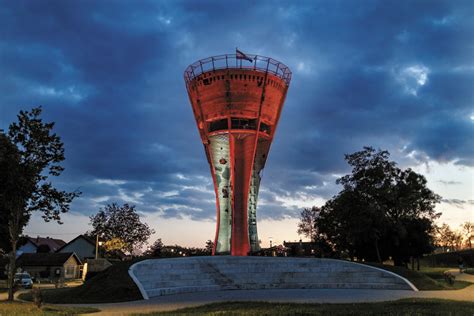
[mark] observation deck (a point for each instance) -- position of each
(230, 61)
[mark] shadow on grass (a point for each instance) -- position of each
(21, 308)
(400, 307)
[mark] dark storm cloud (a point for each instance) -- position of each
(390, 74)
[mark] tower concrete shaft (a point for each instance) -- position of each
(237, 103)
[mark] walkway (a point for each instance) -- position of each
(172, 302)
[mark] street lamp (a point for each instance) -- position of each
(97, 244)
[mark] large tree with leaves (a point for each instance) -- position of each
(382, 210)
(29, 155)
(120, 222)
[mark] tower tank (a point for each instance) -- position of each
(237, 100)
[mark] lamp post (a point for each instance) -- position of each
(97, 244)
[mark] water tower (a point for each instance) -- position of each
(237, 101)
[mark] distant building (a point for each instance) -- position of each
(301, 248)
(82, 246)
(51, 265)
(40, 244)
(4, 260)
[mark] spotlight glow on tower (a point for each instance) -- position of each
(237, 101)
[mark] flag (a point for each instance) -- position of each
(240, 55)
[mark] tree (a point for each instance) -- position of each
(113, 248)
(209, 247)
(156, 248)
(307, 225)
(382, 211)
(122, 222)
(468, 233)
(29, 155)
(447, 238)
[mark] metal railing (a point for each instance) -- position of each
(230, 61)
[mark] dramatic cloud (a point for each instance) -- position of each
(390, 74)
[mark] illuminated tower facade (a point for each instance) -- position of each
(237, 101)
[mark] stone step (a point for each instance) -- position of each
(196, 274)
(190, 289)
(253, 269)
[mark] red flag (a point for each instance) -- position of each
(240, 55)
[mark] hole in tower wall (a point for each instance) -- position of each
(225, 193)
(265, 128)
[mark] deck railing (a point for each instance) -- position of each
(230, 61)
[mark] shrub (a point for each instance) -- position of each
(449, 278)
(37, 297)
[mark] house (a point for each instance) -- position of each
(4, 261)
(301, 249)
(39, 244)
(51, 265)
(82, 246)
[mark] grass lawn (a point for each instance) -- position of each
(19, 308)
(112, 285)
(400, 307)
(427, 279)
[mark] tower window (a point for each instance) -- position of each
(218, 125)
(241, 123)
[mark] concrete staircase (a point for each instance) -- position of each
(157, 277)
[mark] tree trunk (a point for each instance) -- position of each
(11, 271)
(15, 231)
(417, 263)
(379, 259)
(412, 263)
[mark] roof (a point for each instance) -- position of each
(297, 243)
(45, 259)
(78, 237)
(52, 243)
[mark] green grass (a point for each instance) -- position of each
(19, 308)
(112, 285)
(400, 307)
(427, 279)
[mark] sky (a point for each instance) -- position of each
(395, 75)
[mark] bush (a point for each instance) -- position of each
(37, 297)
(449, 259)
(449, 278)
